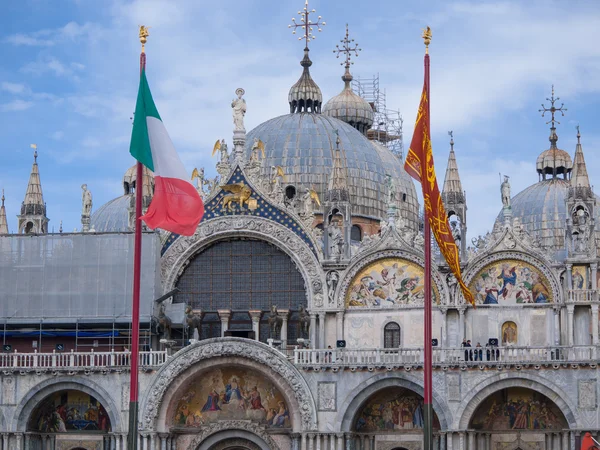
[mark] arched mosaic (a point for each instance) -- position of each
(230, 393)
(509, 282)
(392, 409)
(386, 283)
(518, 409)
(69, 411)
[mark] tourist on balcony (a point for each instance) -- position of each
(478, 352)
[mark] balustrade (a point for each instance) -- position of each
(583, 295)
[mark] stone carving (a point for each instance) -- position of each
(505, 192)
(226, 425)
(233, 347)
(586, 393)
(326, 394)
(164, 322)
(453, 386)
(275, 322)
(185, 247)
(240, 194)
(333, 277)
(304, 322)
(86, 201)
(8, 390)
(239, 110)
(391, 191)
(193, 320)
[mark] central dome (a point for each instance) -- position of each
(303, 144)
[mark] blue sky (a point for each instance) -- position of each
(69, 75)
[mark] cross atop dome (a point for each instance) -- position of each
(348, 47)
(306, 25)
(553, 110)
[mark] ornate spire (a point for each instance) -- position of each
(305, 95)
(348, 106)
(579, 175)
(553, 110)
(338, 181)
(33, 209)
(3, 222)
(452, 191)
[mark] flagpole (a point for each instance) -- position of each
(132, 440)
(427, 369)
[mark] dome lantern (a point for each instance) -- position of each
(554, 161)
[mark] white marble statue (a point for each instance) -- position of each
(239, 110)
(86, 201)
(335, 240)
(224, 154)
(505, 192)
(391, 191)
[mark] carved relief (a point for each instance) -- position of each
(327, 396)
(587, 394)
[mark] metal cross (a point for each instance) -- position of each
(347, 49)
(553, 109)
(306, 24)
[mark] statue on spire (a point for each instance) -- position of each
(239, 110)
(505, 192)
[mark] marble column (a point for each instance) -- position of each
(349, 441)
(471, 435)
(572, 439)
(442, 441)
(594, 308)
(303, 442)
(313, 330)
(373, 442)
(117, 442)
(436, 442)
(311, 438)
(144, 441)
(488, 441)
(449, 440)
(444, 336)
(340, 441)
(224, 315)
(461, 324)
(124, 441)
(565, 440)
(322, 316)
(461, 440)
(339, 325)
(295, 437)
(283, 335)
(593, 274)
(569, 276)
(548, 441)
(163, 441)
(255, 315)
(556, 310)
(570, 312)
(4, 441)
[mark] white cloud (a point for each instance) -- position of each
(50, 64)
(57, 135)
(15, 105)
(53, 36)
(14, 88)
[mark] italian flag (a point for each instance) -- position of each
(176, 205)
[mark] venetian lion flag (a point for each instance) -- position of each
(419, 165)
(176, 205)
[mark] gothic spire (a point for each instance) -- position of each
(33, 209)
(338, 181)
(33, 195)
(579, 174)
(452, 184)
(3, 222)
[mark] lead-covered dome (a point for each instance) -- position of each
(350, 107)
(303, 144)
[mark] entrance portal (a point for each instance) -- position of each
(235, 444)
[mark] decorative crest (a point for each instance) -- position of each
(348, 47)
(553, 109)
(306, 24)
(427, 38)
(144, 35)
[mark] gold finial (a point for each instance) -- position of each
(306, 24)
(348, 47)
(427, 38)
(144, 35)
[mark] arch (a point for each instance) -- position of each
(210, 436)
(509, 333)
(42, 390)
(352, 404)
(229, 351)
(498, 382)
(178, 255)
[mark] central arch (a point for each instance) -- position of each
(233, 435)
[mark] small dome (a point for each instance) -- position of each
(113, 216)
(305, 95)
(350, 107)
(130, 177)
(554, 161)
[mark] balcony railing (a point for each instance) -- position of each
(583, 295)
(79, 360)
(449, 356)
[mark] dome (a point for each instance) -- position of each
(303, 145)
(350, 107)
(112, 216)
(554, 160)
(305, 95)
(541, 208)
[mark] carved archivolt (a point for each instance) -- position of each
(215, 348)
(178, 255)
(355, 268)
(474, 269)
(227, 425)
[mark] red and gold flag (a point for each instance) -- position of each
(419, 165)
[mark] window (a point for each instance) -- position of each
(391, 335)
(290, 192)
(355, 233)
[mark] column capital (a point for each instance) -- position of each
(594, 266)
(570, 308)
(255, 314)
(569, 266)
(322, 313)
(443, 310)
(313, 315)
(462, 309)
(340, 314)
(283, 313)
(224, 314)
(163, 435)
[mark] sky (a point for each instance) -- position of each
(70, 70)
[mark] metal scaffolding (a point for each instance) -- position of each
(387, 123)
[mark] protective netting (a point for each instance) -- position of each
(60, 277)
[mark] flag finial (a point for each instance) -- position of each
(144, 36)
(427, 38)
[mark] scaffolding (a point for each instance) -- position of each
(387, 123)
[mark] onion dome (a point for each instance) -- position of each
(305, 95)
(554, 161)
(350, 107)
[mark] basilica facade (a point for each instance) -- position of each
(293, 317)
